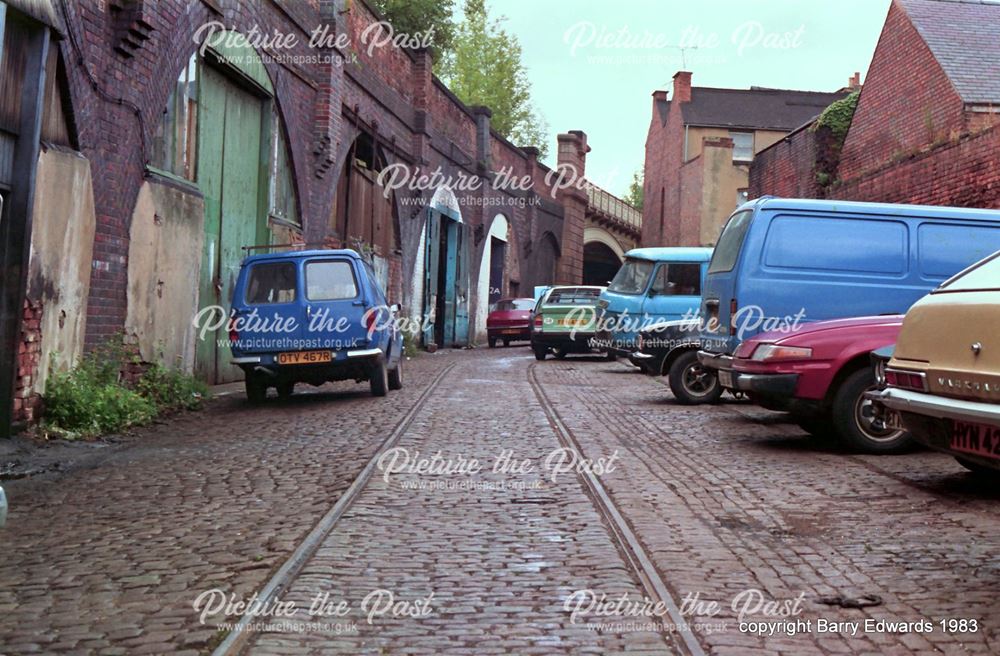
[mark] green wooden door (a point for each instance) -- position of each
(229, 137)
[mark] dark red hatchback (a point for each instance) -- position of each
(509, 320)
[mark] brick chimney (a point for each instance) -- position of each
(855, 82)
(682, 86)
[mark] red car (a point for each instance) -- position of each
(820, 373)
(510, 320)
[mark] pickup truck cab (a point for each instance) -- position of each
(652, 286)
(781, 262)
(821, 373)
(942, 380)
(313, 316)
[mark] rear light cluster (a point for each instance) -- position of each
(911, 380)
(733, 308)
(370, 318)
(538, 321)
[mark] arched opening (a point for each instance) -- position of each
(492, 271)
(600, 263)
(221, 129)
(444, 267)
(548, 259)
(364, 214)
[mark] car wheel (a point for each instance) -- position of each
(610, 356)
(379, 378)
(977, 469)
(691, 382)
(539, 353)
(493, 342)
(506, 342)
(285, 390)
(396, 376)
(256, 389)
(559, 353)
(854, 420)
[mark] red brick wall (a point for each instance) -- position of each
(692, 181)
(27, 406)
(786, 169)
(962, 174)
(907, 102)
(664, 154)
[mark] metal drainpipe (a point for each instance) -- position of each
(686, 128)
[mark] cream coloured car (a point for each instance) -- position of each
(943, 379)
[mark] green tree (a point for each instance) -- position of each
(421, 16)
(484, 67)
(634, 194)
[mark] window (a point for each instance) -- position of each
(678, 279)
(332, 280)
(271, 282)
(742, 146)
(632, 277)
(514, 304)
(281, 191)
(573, 296)
(728, 249)
(175, 143)
(980, 277)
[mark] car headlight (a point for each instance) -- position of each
(777, 352)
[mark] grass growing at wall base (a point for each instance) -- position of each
(94, 398)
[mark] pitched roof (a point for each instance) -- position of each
(755, 108)
(964, 37)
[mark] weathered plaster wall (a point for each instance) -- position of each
(61, 254)
(165, 243)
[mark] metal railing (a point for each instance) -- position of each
(608, 203)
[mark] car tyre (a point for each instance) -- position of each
(506, 342)
(493, 342)
(691, 382)
(559, 353)
(540, 353)
(285, 390)
(379, 378)
(849, 407)
(256, 389)
(396, 375)
(610, 356)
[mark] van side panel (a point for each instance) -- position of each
(807, 265)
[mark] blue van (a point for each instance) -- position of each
(781, 262)
(653, 285)
(310, 317)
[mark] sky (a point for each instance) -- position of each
(594, 64)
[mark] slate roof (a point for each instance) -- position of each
(964, 37)
(755, 108)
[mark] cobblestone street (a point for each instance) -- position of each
(718, 517)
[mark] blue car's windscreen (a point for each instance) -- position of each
(728, 248)
(632, 278)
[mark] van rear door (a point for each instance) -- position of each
(267, 316)
(334, 303)
(719, 291)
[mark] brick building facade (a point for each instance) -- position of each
(147, 117)
(925, 129)
(698, 151)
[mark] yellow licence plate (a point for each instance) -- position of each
(573, 322)
(305, 357)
